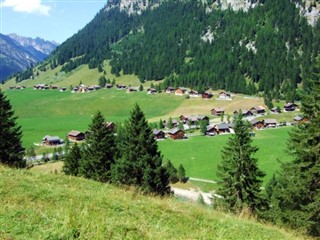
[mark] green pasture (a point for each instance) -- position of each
(201, 155)
(50, 112)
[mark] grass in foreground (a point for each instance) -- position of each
(37, 205)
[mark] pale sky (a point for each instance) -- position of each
(54, 20)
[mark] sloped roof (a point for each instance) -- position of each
(174, 131)
(222, 126)
(270, 121)
(75, 133)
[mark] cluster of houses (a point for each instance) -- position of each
(18, 87)
(180, 91)
(47, 87)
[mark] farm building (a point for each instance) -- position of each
(132, 89)
(207, 95)
(176, 133)
(151, 91)
(108, 85)
(289, 107)
(217, 111)
(222, 128)
(181, 91)
(275, 110)
(270, 123)
(257, 124)
(211, 130)
(110, 125)
(300, 119)
(193, 93)
(170, 90)
(258, 110)
(225, 96)
(245, 113)
(121, 87)
(76, 136)
(202, 118)
(158, 134)
(51, 141)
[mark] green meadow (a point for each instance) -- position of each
(201, 155)
(50, 112)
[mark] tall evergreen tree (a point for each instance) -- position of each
(72, 160)
(141, 162)
(99, 150)
(240, 177)
(295, 197)
(11, 150)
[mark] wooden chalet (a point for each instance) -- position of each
(180, 91)
(151, 91)
(270, 123)
(245, 113)
(202, 118)
(184, 119)
(217, 111)
(211, 130)
(193, 93)
(53, 87)
(176, 133)
(257, 124)
(158, 134)
(76, 136)
(121, 87)
(222, 128)
(170, 90)
(207, 95)
(225, 96)
(52, 141)
(132, 89)
(289, 107)
(275, 110)
(300, 119)
(108, 85)
(174, 123)
(258, 110)
(63, 89)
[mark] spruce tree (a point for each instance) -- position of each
(99, 151)
(181, 173)
(173, 172)
(140, 163)
(240, 177)
(295, 198)
(72, 160)
(11, 150)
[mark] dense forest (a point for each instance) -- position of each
(268, 49)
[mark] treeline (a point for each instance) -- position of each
(292, 197)
(129, 158)
(268, 49)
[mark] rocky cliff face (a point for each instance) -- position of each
(309, 9)
(236, 5)
(132, 6)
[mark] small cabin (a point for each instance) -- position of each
(257, 124)
(270, 123)
(193, 93)
(289, 107)
(217, 111)
(76, 136)
(207, 95)
(151, 91)
(181, 91)
(225, 96)
(176, 133)
(132, 89)
(52, 141)
(158, 134)
(211, 130)
(170, 90)
(222, 128)
(258, 110)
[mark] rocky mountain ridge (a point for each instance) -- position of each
(17, 53)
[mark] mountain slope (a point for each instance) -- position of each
(267, 48)
(19, 53)
(38, 205)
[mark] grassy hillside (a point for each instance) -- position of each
(37, 205)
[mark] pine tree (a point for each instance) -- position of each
(140, 163)
(295, 197)
(11, 150)
(240, 177)
(181, 173)
(99, 151)
(161, 126)
(173, 172)
(72, 160)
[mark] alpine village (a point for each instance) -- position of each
(167, 119)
